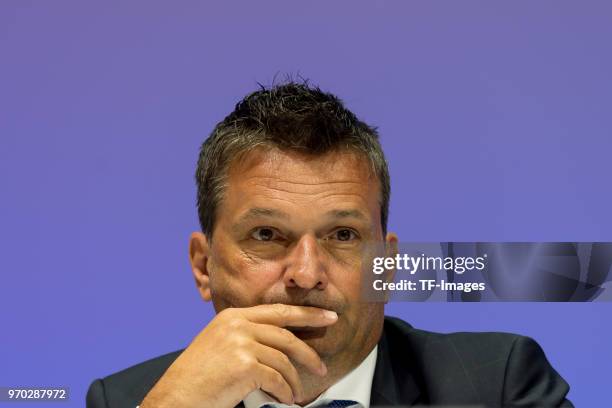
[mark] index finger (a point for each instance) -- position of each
(282, 315)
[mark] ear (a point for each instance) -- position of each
(199, 257)
(391, 250)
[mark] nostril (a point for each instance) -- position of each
(306, 281)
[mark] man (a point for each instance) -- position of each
(292, 188)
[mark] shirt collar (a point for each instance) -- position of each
(355, 386)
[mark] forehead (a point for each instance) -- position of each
(295, 177)
(334, 165)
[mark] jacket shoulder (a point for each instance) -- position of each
(461, 367)
(494, 368)
(128, 387)
(471, 345)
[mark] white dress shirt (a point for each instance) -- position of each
(354, 386)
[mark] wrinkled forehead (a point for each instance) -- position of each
(346, 166)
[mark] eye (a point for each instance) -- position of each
(344, 234)
(263, 234)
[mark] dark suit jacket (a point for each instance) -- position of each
(413, 367)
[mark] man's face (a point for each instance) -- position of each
(292, 229)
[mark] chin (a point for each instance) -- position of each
(326, 341)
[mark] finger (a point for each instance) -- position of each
(281, 363)
(288, 315)
(272, 382)
(289, 344)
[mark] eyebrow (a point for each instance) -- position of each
(346, 214)
(257, 212)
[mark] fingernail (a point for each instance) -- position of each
(331, 315)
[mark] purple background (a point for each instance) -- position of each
(496, 119)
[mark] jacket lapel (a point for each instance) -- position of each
(393, 383)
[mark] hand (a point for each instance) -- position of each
(241, 350)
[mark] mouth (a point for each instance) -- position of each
(307, 333)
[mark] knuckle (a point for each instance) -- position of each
(254, 383)
(245, 363)
(238, 342)
(278, 379)
(282, 310)
(288, 337)
(284, 359)
(235, 323)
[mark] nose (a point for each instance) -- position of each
(306, 267)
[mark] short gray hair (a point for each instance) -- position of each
(289, 116)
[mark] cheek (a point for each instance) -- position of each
(350, 284)
(364, 317)
(242, 280)
(348, 281)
